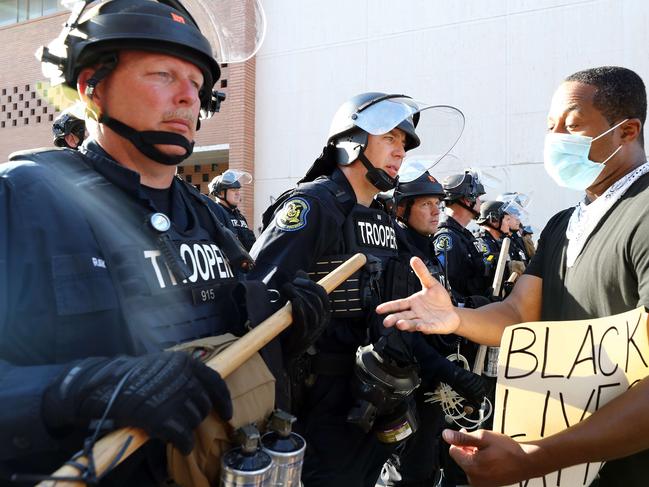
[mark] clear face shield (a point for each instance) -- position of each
(517, 211)
(521, 198)
(439, 128)
(235, 30)
(411, 169)
(232, 176)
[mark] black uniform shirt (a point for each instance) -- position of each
(517, 250)
(234, 219)
(463, 258)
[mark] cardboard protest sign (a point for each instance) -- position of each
(552, 375)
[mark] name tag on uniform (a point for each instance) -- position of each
(375, 233)
(205, 294)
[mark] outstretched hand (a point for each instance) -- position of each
(429, 310)
(491, 459)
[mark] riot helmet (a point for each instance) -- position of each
(424, 185)
(230, 179)
(368, 113)
(65, 125)
(492, 213)
(414, 181)
(520, 198)
(408, 192)
(348, 131)
(94, 38)
(528, 230)
(467, 186)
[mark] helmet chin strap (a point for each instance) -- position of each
(146, 140)
(475, 214)
(378, 177)
(224, 198)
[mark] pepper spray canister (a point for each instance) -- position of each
(491, 366)
(246, 465)
(286, 448)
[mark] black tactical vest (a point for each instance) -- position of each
(370, 232)
(162, 304)
(241, 229)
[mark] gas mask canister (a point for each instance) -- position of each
(565, 158)
(383, 385)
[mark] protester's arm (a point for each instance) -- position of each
(431, 310)
(618, 429)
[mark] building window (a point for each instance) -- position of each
(197, 168)
(188, 178)
(206, 178)
(13, 11)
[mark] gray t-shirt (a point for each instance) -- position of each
(610, 276)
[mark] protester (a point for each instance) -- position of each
(595, 144)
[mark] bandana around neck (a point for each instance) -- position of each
(586, 216)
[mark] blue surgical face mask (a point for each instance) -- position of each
(565, 158)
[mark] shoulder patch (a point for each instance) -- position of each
(293, 215)
(443, 243)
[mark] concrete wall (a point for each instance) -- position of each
(499, 61)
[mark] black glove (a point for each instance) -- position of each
(311, 313)
(470, 386)
(167, 394)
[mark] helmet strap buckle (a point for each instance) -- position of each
(378, 177)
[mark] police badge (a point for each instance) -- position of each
(292, 216)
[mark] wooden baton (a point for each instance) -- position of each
(478, 364)
(107, 449)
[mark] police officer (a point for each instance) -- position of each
(518, 251)
(320, 222)
(123, 260)
(226, 189)
(352, 404)
(417, 213)
(68, 131)
(417, 200)
(457, 249)
(527, 233)
(494, 226)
